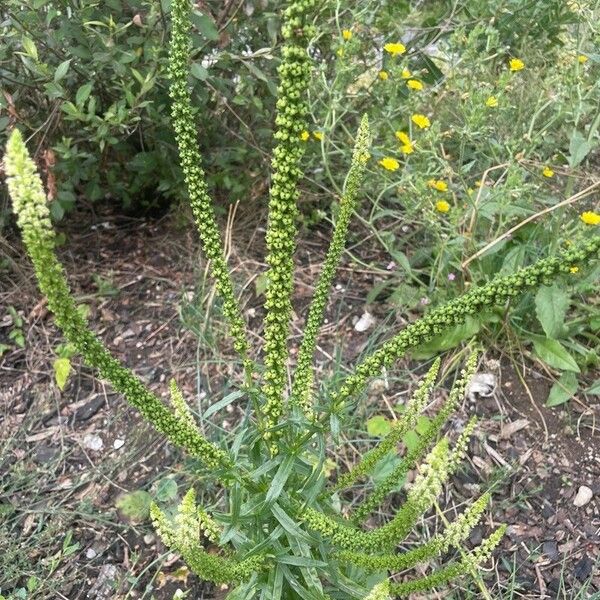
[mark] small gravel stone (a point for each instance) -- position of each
(584, 495)
(93, 442)
(118, 444)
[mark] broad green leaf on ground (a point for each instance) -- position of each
(62, 368)
(551, 304)
(378, 426)
(554, 354)
(135, 505)
(594, 388)
(563, 389)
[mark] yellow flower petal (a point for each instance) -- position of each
(516, 64)
(574, 269)
(383, 75)
(491, 102)
(421, 121)
(442, 206)
(407, 148)
(391, 164)
(582, 58)
(406, 73)
(347, 34)
(438, 184)
(304, 136)
(547, 172)
(319, 135)
(414, 84)
(590, 217)
(395, 48)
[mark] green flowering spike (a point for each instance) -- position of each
(33, 218)
(380, 592)
(191, 164)
(182, 410)
(208, 525)
(453, 536)
(462, 444)
(182, 537)
(301, 389)
(497, 291)
(470, 562)
(290, 121)
(399, 429)
(382, 490)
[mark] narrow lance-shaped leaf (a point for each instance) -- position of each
(290, 121)
(301, 389)
(33, 218)
(191, 164)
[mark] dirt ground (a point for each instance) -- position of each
(66, 457)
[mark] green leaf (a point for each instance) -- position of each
(135, 505)
(62, 70)
(205, 25)
(411, 440)
(30, 48)
(594, 388)
(260, 284)
(563, 390)
(284, 471)
(579, 148)
(554, 354)
(217, 406)
(166, 489)
(198, 71)
(378, 426)
(62, 368)
(83, 94)
(551, 304)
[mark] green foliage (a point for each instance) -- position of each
(92, 90)
(279, 521)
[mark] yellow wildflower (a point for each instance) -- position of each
(319, 135)
(442, 206)
(582, 58)
(402, 137)
(547, 172)
(383, 75)
(438, 184)
(407, 148)
(516, 64)
(347, 34)
(391, 164)
(395, 48)
(304, 136)
(414, 84)
(421, 121)
(590, 217)
(574, 270)
(491, 102)
(406, 73)
(340, 52)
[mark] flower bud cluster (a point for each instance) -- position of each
(182, 535)
(380, 592)
(455, 312)
(301, 389)
(191, 164)
(383, 489)
(407, 422)
(29, 202)
(290, 122)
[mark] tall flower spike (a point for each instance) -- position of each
(301, 389)
(191, 164)
(399, 429)
(470, 562)
(33, 218)
(383, 489)
(380, 592)
(497, 291)
(290, 121)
